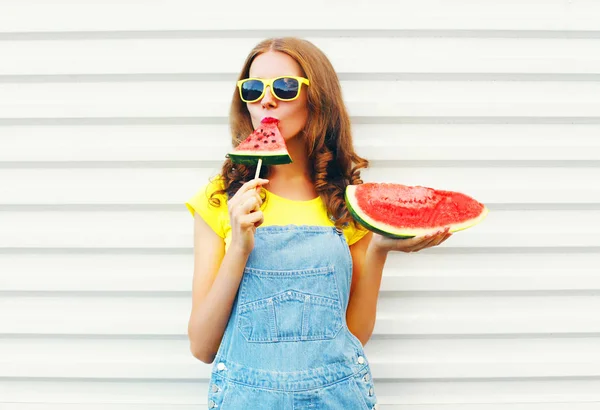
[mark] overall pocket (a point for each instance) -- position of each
(291, 305)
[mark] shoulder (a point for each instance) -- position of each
(215, 183)
(354, 232)
(214, 214)
(202, 196)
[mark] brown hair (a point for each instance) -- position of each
(327, 131)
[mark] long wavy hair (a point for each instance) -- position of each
(327, 132)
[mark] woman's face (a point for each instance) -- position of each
(292, 115)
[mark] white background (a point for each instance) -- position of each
(113, 113)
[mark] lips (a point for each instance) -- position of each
(269, 120)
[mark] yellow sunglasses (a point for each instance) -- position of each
(284, 88)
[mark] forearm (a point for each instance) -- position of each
(209, 318)
(362, 308)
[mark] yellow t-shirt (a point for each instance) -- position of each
(276, 211)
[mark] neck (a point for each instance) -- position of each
(298, 169)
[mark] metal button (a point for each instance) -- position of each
(215, 388)
(212, 404)
(289, 293)
(221, 366)
(361, 360)
(371, 391)
(366, 378)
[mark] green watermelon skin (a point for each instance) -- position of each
(265, 143)
(372, 228)
(251, 158)
(399, 232)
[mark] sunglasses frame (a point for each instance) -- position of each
(268, 82)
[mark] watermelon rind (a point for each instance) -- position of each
(401, 233)
(269, 158)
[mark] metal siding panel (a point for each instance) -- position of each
(551, 186)
(421, 57)
(502, 230)
(183, 143)
(398, 315)
(501, 273)
(378, 100)
(183, 15)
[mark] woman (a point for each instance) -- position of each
(284, 310)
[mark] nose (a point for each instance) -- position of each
(268, 99)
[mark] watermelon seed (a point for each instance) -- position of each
(273, 141)
(256, 146)
(266, 142)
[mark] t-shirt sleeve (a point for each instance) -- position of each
(356, 233)
(215, 217)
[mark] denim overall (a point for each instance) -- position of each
(287, 345)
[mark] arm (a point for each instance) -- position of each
(368, 258)
(367, 269)
(217, 276)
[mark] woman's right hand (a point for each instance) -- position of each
(245, 215)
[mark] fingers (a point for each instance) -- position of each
(242, 199)
(427, 241)
(444, 238)
(415, 242)
(254, 218)
(422, 242)
(251, 203)
(253, 183)
(246, 190)
(439, 237)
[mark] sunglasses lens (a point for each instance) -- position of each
(251, 90)
(286, 88)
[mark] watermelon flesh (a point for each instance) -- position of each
(265, 143)
(402, 211)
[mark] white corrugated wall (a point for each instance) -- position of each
(113, 113)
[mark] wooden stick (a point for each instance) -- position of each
(258, 168)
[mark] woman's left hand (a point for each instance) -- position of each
(411, 244)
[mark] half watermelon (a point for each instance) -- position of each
(265, 143)
(402, 211)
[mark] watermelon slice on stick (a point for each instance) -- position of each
(402, 211)
(264, 145)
